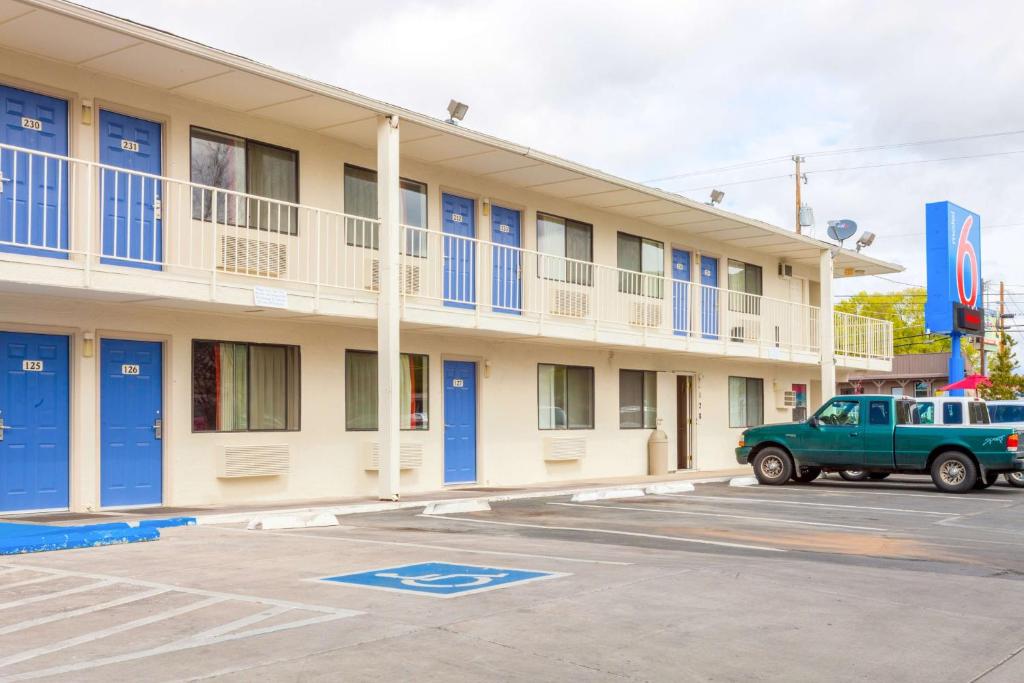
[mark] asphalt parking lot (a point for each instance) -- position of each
(828, 581)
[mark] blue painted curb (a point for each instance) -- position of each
(76, 537)
(169, 522)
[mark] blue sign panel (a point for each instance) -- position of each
(953, 239)
(440, 579)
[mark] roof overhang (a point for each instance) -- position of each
(102, 43)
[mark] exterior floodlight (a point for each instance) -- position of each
(716, 197)
(865, 240)
(456, 111)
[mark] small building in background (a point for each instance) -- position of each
(914, 374)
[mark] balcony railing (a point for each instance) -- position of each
(104, 218)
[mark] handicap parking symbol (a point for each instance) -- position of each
(440, 579)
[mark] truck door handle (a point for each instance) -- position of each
(853, 434)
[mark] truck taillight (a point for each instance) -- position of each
(1011, 442)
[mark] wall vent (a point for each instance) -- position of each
(410, 456)
(570, 304)
(558, 449)
(645, 314)
(252, 257)
(253, 461)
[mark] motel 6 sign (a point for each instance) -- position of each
(953, 239)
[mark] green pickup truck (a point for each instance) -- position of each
(878, 434)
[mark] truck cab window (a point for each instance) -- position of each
(878, 413)
(907, 413)
(841, 414)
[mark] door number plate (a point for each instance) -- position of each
(504, 228)
(129, 369)
(457, 218)
(31, 124)
(129, 146)
(32, 365)
(458, 383)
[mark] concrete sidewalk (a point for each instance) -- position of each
(234, 514)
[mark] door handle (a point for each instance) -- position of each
(158, 429)
(3, 428)
(853, 434)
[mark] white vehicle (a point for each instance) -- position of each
(1009, 413)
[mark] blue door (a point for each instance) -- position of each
(132, 234)
(681, 292)
(33, 188)
(34, 409)
(507, 276)
(131, 423)
(709, 297)
(457, 221)
(459, 422)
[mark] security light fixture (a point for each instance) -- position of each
(865, 240)
(716, 197)
(456, 112)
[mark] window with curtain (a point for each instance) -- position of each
(565, 397)
(240, 387)
(361, 391)
(645, 257)
(744, 278)
(361, 201)
(746, 401)
(571, 242)
(248, 167)
(638, 399)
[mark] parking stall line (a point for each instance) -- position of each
(850, 491)
(635, 534)
(745, 518)
(770, 501)
(128, 599)
(427, 546)
(28, 582)
(58, 594)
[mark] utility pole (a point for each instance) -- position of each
(797, 159)
(1002, 309)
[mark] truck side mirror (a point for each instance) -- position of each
(813, 421)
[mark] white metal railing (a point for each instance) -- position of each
(57, 206)
(862, 337)
(488, 278)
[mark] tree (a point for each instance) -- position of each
(905, 310)
(1005, 383)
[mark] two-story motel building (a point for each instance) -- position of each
(200, 257)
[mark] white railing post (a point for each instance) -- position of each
(90, 217)
(213, 243)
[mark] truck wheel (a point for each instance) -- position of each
(878, 476)
(805, 475)
(954, 472)
(853, 475)
(773, 466)
(986, 481)
(1015, 479)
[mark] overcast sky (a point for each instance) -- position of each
(653, 89)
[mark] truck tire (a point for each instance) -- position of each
(853, 475)
(773, 466)
(878, 476)
(1015, 479)
(986, 481)
(954, 472)
(805, 475)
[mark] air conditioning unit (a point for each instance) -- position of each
(785, 270)
(645, 314)
(252, 257)
(253, 461)
(737, 334)
(570, 304)
(410, 280)
(410, 456)
(561, 449)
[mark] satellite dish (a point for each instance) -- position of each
(841, 230)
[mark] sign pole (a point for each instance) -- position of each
(956, 362)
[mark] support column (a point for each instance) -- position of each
(388, 311)
(826, 324)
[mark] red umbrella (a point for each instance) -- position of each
(969, 382)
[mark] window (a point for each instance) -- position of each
(361, 200)
(744, 279)
(841, 414)
(921, 389)
(571, 242)
(907, 413)
(244, 166)
(952, 414)
(638, 399)
(565, 397)
(896, 391)
(977, 413)
(878, 413)
(1006, 413)
(924, 413)
(239, 387)
(645, 257)
(361, 391)
(746, 401)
